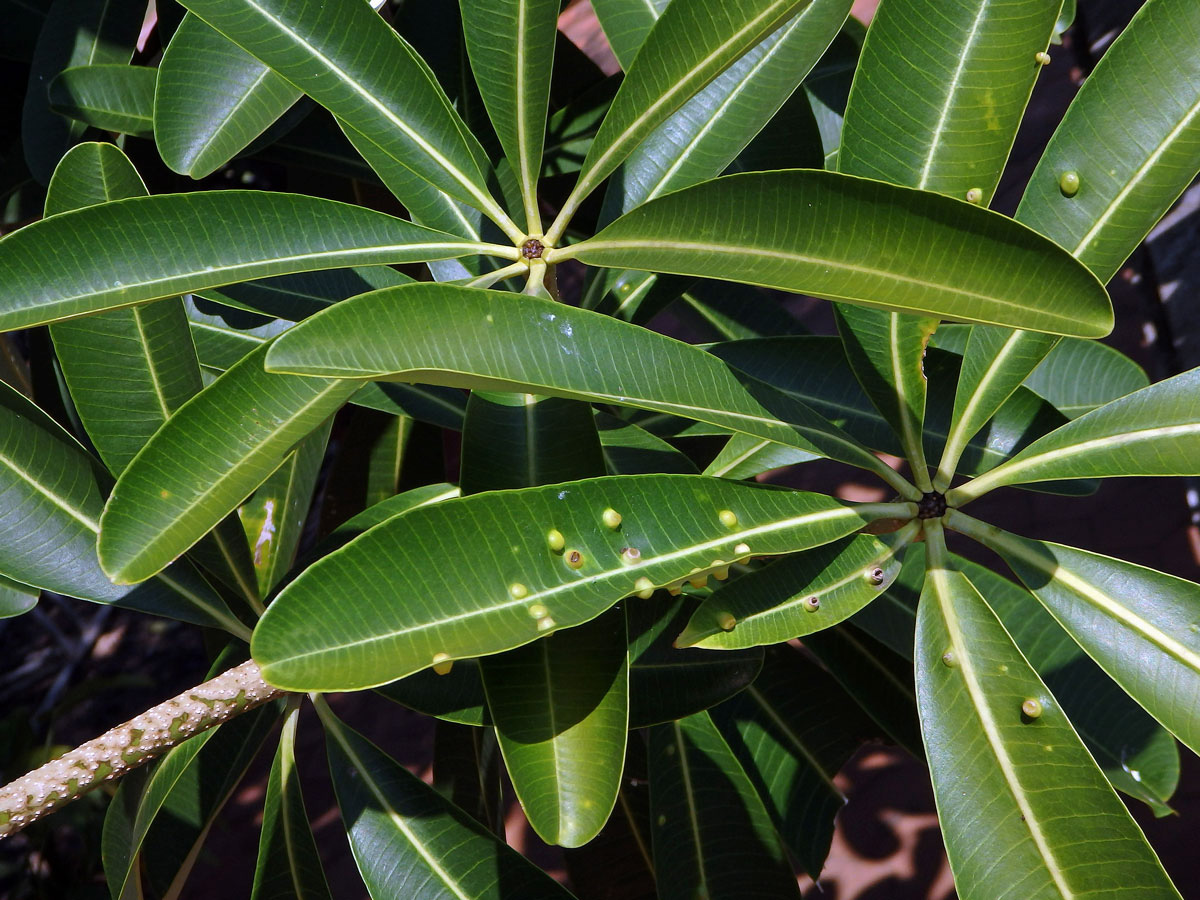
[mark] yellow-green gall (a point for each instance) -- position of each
(1031, 708)
(728, 518)
(555, 540)
(1042, 57)
(611, 518)
(1068, 183)
(975, 196)
(574, 559)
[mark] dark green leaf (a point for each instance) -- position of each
(111, 97)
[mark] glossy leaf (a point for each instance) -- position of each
(712, 836)
(744, 456)
(940, 91)
(410, 842)
(1154, 431)
(794, 597)
(626, 24)
(213, 99)
(706, 134)
(692, 43)
(630, 450)
(53, 497)
(481, 575)
(828, 86)
(561, 710)
(520, 343)
(1134, 146)
(1136, 623)
(205, 460)
(791, 743)
(298, 296)
(1036, 799)
(511, 46)
(1077, 376)
(145, 248)
(804, 231)
(16, 599)
(111, 97)
(76, 33)
(288, 864)
(350, 61)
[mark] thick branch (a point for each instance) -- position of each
(130, 745)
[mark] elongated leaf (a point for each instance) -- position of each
(561, 709)
(213, 99)
(781, 230)
(886, 350)
(217, 449)
(1133, 146)
(943, 87)
(794, 597)
(76, 33)
(1154, 431)
(350, 61)
(691, 44)
(511, 46)
(148, 247)
(111, 97)
(626, 24)
(630, 450)
(288, 867)
(744, 456)
(296, 297)
(410, 842)
(481, 574)
(828, 86)
(16, 599)
(712, 836)
(1133, 621)
(792, 731)
(52, 497)
(1051, 822)
(705, 135)
(520, 343)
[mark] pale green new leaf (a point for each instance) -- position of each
(288, 867)
(481, 574)
(205, 460)
(795, 596)
(511, 47)
(505, 341)
(845, 238)
(146, 248)
(1134, 145)
(1139, 625)
(111, 97)
(350, 61)
(212, 100)
(52, 497)
(411, 842)
(1154, 431)
(712, 836)
(626, 24)
(691, 44)
(1024, 810)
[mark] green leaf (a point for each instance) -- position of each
(145, 248)
(511, 47)
(274, 516)
(111, 97)
(288, 865)
(76, 33)
(626, 24)
(205, 460)
(744, 456)
(707, 133)
(561, 710)
(1133, 146)
(795, 596)
(503, 341)
(828, 86)
(630, 450)
(940, 91)
(886, 350)
(488, 576)
(712, 835)
(16, 599)
(780, 230)
(410, 842)
(1077, 376)
(691, 44)
(666, 683)
(1154, 431)
(792, 731)
(296, 297)
(384, 510)
(1051, 823)
(53, 497)
(1133, 621)
(350, 61)
(213, 99)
